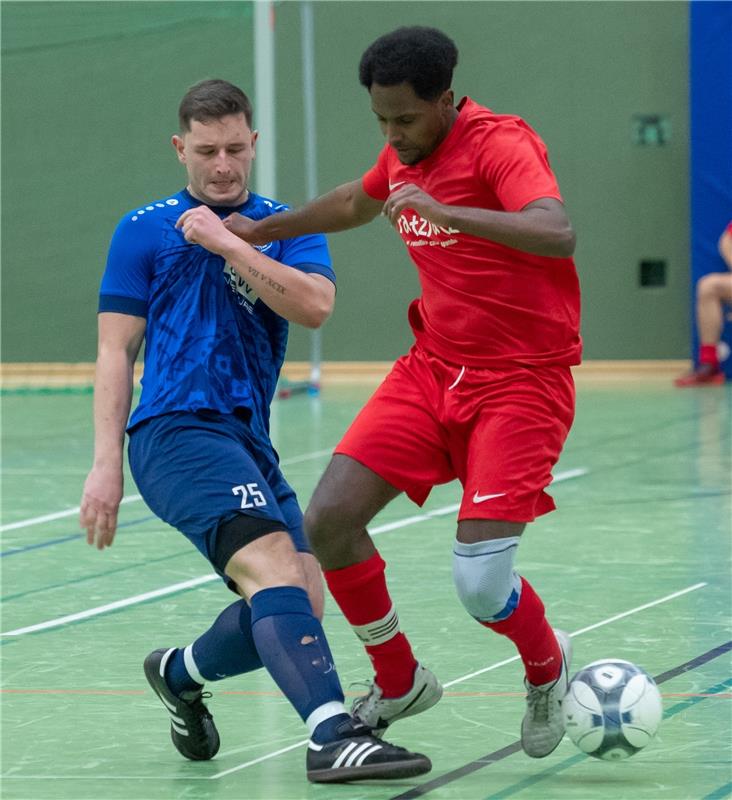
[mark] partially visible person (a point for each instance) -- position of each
(214, 314)
(713, 292)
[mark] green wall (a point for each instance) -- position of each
(90, 92)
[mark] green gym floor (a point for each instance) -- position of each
(635, 564)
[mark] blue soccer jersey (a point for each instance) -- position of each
(210, 343)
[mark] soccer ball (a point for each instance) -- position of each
(612, 709)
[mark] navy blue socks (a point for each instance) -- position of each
(293, 647)
(227, 648)
(280, 632)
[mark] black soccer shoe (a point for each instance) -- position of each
(361, 756)
(192, 727)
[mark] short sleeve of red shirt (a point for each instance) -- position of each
(376, 181)
(728, 229)
(515, 165)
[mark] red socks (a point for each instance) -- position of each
(708, 355)
(534, 638)
(361, 593)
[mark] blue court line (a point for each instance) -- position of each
(576, 759)
(62, 584)
(70, 538)
(6, 640)
(718, 794)
(593, 444)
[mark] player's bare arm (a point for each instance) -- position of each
(347, 206)
(249, 230)
(541, 227)
(306, 299)
(120, 338)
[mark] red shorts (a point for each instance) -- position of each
(499, 431)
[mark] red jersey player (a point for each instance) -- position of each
(484, 395)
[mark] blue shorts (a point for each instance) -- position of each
(198, 470)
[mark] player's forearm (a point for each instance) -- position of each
(112, 401)
(297, 296)
(343, 208)
(533, 230)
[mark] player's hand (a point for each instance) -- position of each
(244, 228)
(99, 505)
(411, 196)
(201, 226)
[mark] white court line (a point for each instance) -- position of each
(128, 601)
(69, 512)
(493, 666)
(141, 598)
(306, 457)
(588, 628)
(566, 475)
(257, 760)
(380, 529)
(176, 587)
(578, 632)
(133, 498)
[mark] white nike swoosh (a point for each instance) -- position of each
(480, 498)
(394, 185)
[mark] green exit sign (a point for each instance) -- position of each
(650, 130)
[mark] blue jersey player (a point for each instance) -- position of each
(213, 312)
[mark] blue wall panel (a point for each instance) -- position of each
(710, 87)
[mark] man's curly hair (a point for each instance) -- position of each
(422, 57)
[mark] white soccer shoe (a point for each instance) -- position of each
(379, 712)
(543, 726)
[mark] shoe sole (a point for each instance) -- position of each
(393, 770)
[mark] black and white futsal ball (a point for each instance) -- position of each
(612, 709)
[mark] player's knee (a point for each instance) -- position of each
(321, 521)
(236, 533)
(256, 554)
(484, 577)
(710, 287)
(314, 583)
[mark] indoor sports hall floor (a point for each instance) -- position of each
(635, 564)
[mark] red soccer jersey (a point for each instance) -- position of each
(484, 304)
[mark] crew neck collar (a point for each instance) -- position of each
(219, 209)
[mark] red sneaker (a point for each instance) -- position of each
(704, 375)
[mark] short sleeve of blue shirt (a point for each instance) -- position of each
(308, 254)
(126, 282)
